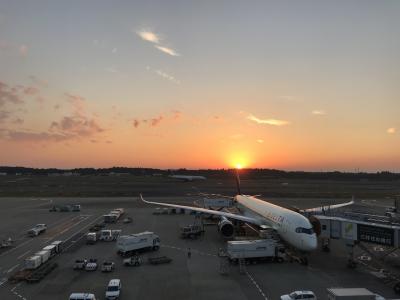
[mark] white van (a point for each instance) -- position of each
(113, 290)
(82, 296)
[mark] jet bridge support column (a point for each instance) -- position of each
(351, 262)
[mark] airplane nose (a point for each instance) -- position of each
(310, 243)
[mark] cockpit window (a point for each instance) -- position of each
(304, 230)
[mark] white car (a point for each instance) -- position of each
(113, 290)
(299, 295)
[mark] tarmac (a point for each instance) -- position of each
(197, 277)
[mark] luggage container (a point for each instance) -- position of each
(52, 249)
(33, 262)
(58, 245)
(44, 255)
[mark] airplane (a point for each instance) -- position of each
(187, 177)
(292, 226)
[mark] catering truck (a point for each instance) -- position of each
(256, 250)
(132, 243)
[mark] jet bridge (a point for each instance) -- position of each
(352, 230)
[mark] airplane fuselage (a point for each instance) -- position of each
(292, 227)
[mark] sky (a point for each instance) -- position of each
(294, 85)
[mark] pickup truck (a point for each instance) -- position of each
(38, 229)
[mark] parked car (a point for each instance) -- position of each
(113, 290)
(299, 295)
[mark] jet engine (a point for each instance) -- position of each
(225, 227)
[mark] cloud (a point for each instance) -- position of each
(260, 141)
(156, 121)
(114, 50)
(24, 136)
(172, 116)
(39, 82)
(4, 115)
(391, 130)
(236, 136)
(149, 36)
(111, 70)
(176, 114)
(167, 76)
(77, 126)
(136, 123)
(167, 50)
(318, 112)
(31, 91)
(23, 50)
(78, 103)
(9, 94)
(273, 122)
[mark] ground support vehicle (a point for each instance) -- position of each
(133, 243)
(254, 251)
(91, 238)
(299, 295)
(132, 261)
(91, 265)
(159, 260)
(191, 231)
(80, 264)
(38, 229)
(40, 273)
(350, 293)
(107, 266)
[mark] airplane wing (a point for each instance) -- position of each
(326, 207)
(208, 211)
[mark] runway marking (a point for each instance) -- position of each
(13, 290)
(22, 255)
(13, 249)
(3, 281)
(83, 228)
(12, 268)
(256, 285)
(191, 250)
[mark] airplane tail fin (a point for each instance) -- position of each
(238, 182)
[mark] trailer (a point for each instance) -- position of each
(130, 244)
(159, 260)
(256, 250)
(40, 273)
(350, 293)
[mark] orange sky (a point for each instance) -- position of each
(303, 86)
